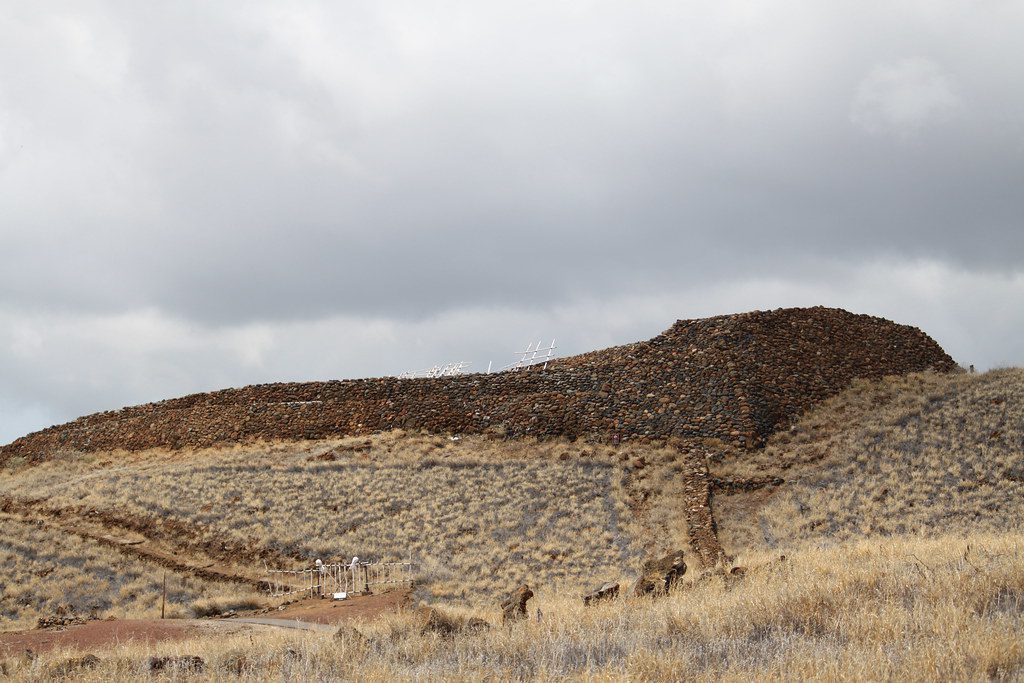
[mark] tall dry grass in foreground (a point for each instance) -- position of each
(904, 608)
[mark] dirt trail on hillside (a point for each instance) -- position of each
(672, 501)
(193, 550)
(699, 487)
(179, 557)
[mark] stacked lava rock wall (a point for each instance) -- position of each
(786, 360)
(730, 377)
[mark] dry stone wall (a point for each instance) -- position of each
(735, 377)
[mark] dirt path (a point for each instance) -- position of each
(288, 623)
(363, 607)
(100, 634)
(183, 559)
(308, 615)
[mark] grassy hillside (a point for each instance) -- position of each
(46, 574)
(925, 453)
(476, 515)
(885, 609)
(898, 505)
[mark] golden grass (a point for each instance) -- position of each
(924, 453)
(475, 515)
(904, 608)
(900, 515)
(46, 574)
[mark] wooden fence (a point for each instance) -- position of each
(328, 579)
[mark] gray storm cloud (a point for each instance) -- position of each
(199, 194)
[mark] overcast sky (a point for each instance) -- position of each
(196, 195)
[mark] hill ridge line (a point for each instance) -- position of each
(732, 377)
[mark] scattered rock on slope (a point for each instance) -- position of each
(658, 577)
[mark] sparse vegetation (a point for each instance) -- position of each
(899, 515)
(46, 575)
(925, 453)
(885, 609)
(475, 515)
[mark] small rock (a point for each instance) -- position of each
(181, 664)
(434, 620)
(476, 624)
(513, 608)
(607, 591)
(70, 667)
(349, 635)
(328, 456)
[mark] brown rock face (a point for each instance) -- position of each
(736, 377)
(513, 608)
(657, 577)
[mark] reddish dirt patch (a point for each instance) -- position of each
(98, 634)
(317, 611)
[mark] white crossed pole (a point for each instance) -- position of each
(533, 355)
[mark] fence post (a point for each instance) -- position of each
(338, 577)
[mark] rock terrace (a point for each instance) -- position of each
(734, 377)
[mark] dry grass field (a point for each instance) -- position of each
(46, 574)
(924, 453)
(899, 515)
(475, 515)
(884, 609)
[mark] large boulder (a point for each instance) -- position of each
(513, 608)
(658, 577)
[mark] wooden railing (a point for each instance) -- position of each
(328, 579)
